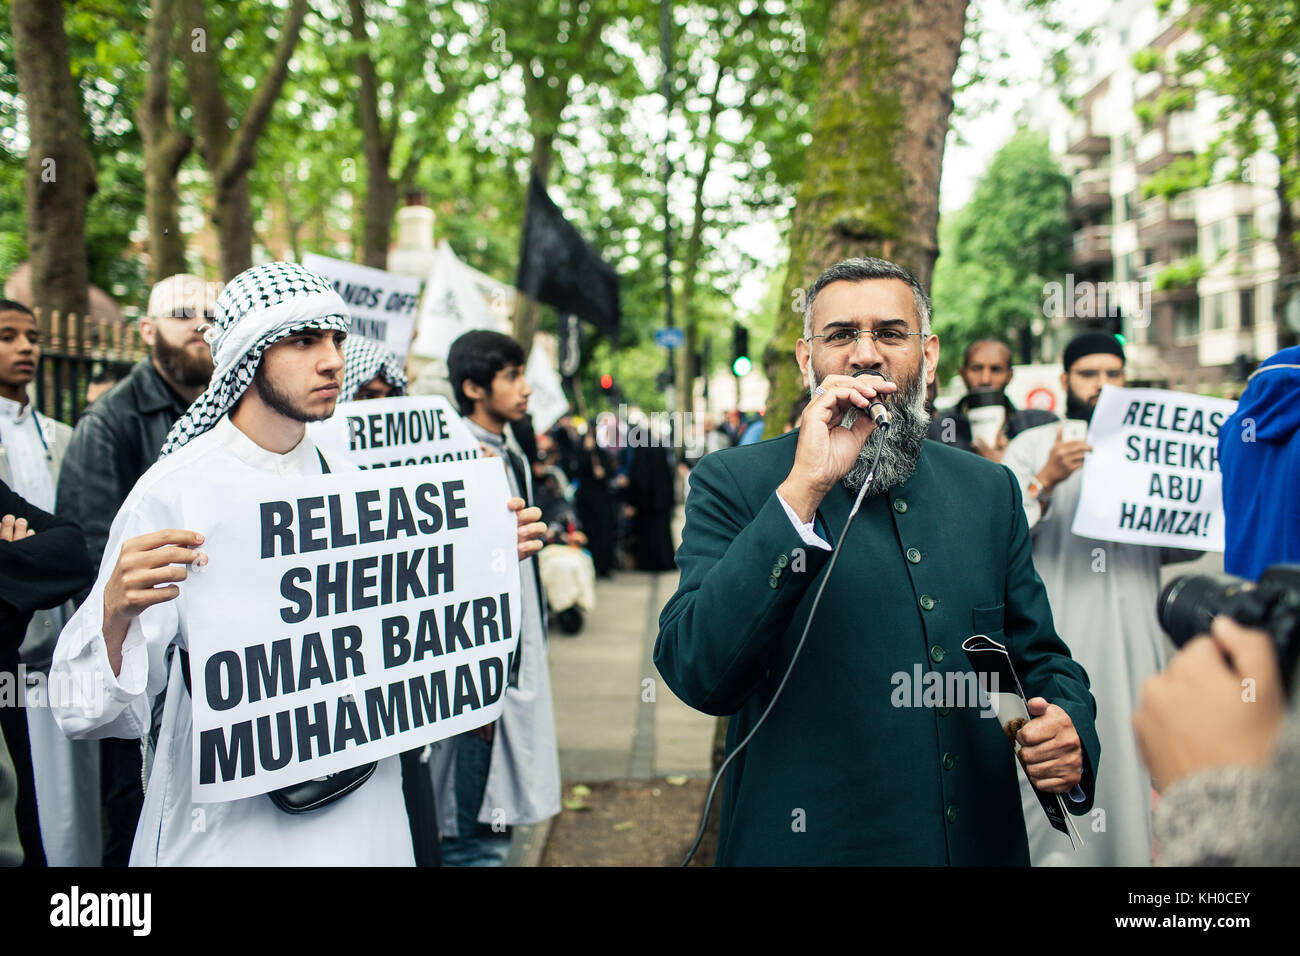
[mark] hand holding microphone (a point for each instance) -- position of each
(877, 410)
(826, 451)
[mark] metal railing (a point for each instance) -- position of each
(74, 350)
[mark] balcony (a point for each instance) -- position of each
(1089, 144)
(1157, 149)
(1161, 223)
(1091, 192)
(1182, 293)
(1091, 247)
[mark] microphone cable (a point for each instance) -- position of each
(862, 492)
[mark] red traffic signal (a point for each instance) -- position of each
(607, 381)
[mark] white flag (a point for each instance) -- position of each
(452, 305)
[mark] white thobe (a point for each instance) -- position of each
(366, 827)
(1103, 596)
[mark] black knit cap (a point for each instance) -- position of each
(1092, 343)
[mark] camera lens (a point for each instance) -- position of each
(1188, 604)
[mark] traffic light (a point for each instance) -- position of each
(606, 382)
(740, 361)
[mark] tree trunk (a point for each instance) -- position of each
(164, 148)
(232, 214)
(871, 179)
(381, 195)
(229, 154)
(60, 174)
(694, 252)
(1288, 261)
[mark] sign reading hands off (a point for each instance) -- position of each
(1153, 475)
(344, 618)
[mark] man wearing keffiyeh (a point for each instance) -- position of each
(371, 371)
(277, 348)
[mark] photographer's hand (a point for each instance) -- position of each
(1219, 703)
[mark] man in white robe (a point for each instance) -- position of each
(278, 329)
(1103, 596)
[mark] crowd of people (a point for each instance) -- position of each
(231, 379)
(815, 568)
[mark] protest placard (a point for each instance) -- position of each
(382, 304)
(1153, 475)
(394, 432)
(344, 618)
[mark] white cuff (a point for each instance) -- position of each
(806, 532)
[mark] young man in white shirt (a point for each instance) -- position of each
(277, 346)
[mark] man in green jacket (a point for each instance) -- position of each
(853, 766)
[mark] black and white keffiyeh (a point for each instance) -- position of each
(363, 360)
(258, 308)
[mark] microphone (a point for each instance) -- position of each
(877, 410)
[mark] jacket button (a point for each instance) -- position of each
(782, 561)
(951, 814)
(900, 505)
(913, 555)
(927, 602)
(943, 711)
(948, 761)
(937, 654)
(772, 581)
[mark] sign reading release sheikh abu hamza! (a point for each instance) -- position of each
(1153, 475)
(347, 617)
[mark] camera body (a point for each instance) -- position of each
(1189, 603)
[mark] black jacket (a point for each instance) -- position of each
(115, 442)
(42, 571)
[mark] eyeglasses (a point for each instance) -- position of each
(889, 337)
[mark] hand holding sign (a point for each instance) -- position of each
(1066, 458)
(531, 527)
(1050, 748)
(143, 565)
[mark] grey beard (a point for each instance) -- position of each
(908, 427)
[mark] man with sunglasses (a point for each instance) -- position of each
(857, 762)
(115, 442)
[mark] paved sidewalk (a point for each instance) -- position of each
(614, 717)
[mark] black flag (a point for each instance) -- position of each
(558, 267)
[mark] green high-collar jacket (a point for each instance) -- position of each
(847, 769)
